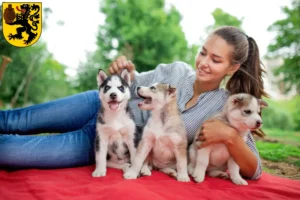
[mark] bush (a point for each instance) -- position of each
(274, 116)
(294, 106)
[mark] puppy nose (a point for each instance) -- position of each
(113, 95)
(138, 88)
(258, 123)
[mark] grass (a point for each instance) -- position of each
(269, 171)
(279, 152)
(284, 136)
(284, 149)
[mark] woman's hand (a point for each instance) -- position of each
(121, 63)
(215, 131)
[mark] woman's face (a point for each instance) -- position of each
(213, 61)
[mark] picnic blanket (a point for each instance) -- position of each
(77, 183)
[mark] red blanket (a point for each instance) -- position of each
(77, 183)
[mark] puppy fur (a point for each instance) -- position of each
(164, 142)
(241, 111)
(116, 138)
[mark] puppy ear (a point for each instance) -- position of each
(238, 98)
(262, 103)
(172, 90)
(126, 76)
(101, 77)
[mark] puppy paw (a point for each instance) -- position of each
(145, 171)
(170, 172)
(130, 174)
(183, 178)
(239, 181)
(224, 176)
(99, 173)
(125, 167)
(218, 174)
(198, 177)
(190, 169)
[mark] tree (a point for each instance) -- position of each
(87, 72)
(287, 46)
(222, 18)
(144, 31)
(34, 75)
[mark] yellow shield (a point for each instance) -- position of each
(22, 22)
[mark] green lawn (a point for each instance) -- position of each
(287, 137)
(279, 152)
(286, 149)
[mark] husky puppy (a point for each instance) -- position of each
(164, 141)
(241, 111)
(115, 142)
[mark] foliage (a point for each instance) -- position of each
(293, 107)
(37, 78)
(278, 117)
(144, 31)
(295, 110)
(87, 71)
(282, 114)
(283, 136)
(287, 46)
(222, 18)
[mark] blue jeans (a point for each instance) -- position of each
(73, 117)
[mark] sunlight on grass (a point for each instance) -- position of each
(279, 152)
(269, 171)
(290, 137)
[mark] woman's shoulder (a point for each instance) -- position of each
(176, 66)
(219, 96)
(224, 93)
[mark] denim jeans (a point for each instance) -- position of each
(73, 117)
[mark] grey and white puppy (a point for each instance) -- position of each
(164, 142)
(116, 138)
(241, 111)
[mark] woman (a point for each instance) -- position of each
(226, 52)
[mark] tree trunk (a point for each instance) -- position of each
(5, 61)
(28, 82)
(22, 85)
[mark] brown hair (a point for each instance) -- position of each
(248, 79)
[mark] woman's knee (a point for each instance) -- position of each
(53, 151)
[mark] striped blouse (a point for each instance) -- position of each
(182, 76)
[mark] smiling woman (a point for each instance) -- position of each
(226, 52)
(213, 61)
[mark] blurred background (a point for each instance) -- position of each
(80, 37)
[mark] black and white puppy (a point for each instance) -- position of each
(115, 143)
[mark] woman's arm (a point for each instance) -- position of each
(247, 158)
(163, 73)
(244, 154)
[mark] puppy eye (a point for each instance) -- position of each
(121, 88)
(106, 88)
(248, 112)
(152, 88)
